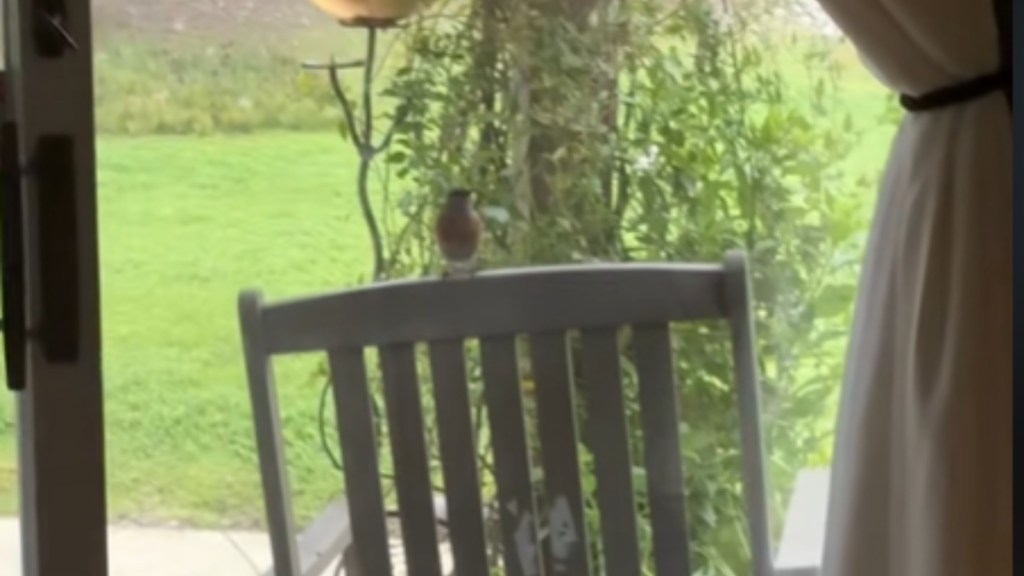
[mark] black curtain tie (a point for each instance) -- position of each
(962, 92)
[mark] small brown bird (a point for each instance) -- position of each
(458, 233)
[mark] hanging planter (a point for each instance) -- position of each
(368, 12)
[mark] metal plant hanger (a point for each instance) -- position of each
(360, 128)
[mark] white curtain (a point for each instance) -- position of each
(921, 478)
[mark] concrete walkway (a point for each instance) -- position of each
(138, 551)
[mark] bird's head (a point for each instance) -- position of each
(460, 196)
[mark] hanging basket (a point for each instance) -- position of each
(368, 12)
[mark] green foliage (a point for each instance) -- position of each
(639, 134)
(187, 221)
(215, 88)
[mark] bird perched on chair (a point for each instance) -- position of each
(458, 233)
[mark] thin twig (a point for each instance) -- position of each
(388, 49)
(346, 106)
(313, 65)
(399, 118)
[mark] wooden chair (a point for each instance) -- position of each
(542, 304)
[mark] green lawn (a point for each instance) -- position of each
(186, 222)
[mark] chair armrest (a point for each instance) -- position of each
(329, 538)
(324, 540)
(803, 535)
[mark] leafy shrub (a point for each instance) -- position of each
(639, 133)
(168, 89)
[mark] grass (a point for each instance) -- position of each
(187, 222)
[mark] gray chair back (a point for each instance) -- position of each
(543, 304)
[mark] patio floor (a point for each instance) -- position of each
(163, 552)
(135, 551)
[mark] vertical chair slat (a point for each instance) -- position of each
(609, 435)
(503, 396)
(660, 417)
(409, 454)
(741, 324)
(556, 412)
(269, 441)
(702, 292)
(359, 459)
(458, 457)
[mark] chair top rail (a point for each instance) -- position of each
(512, 301)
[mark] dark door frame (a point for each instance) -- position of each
(60, 410)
